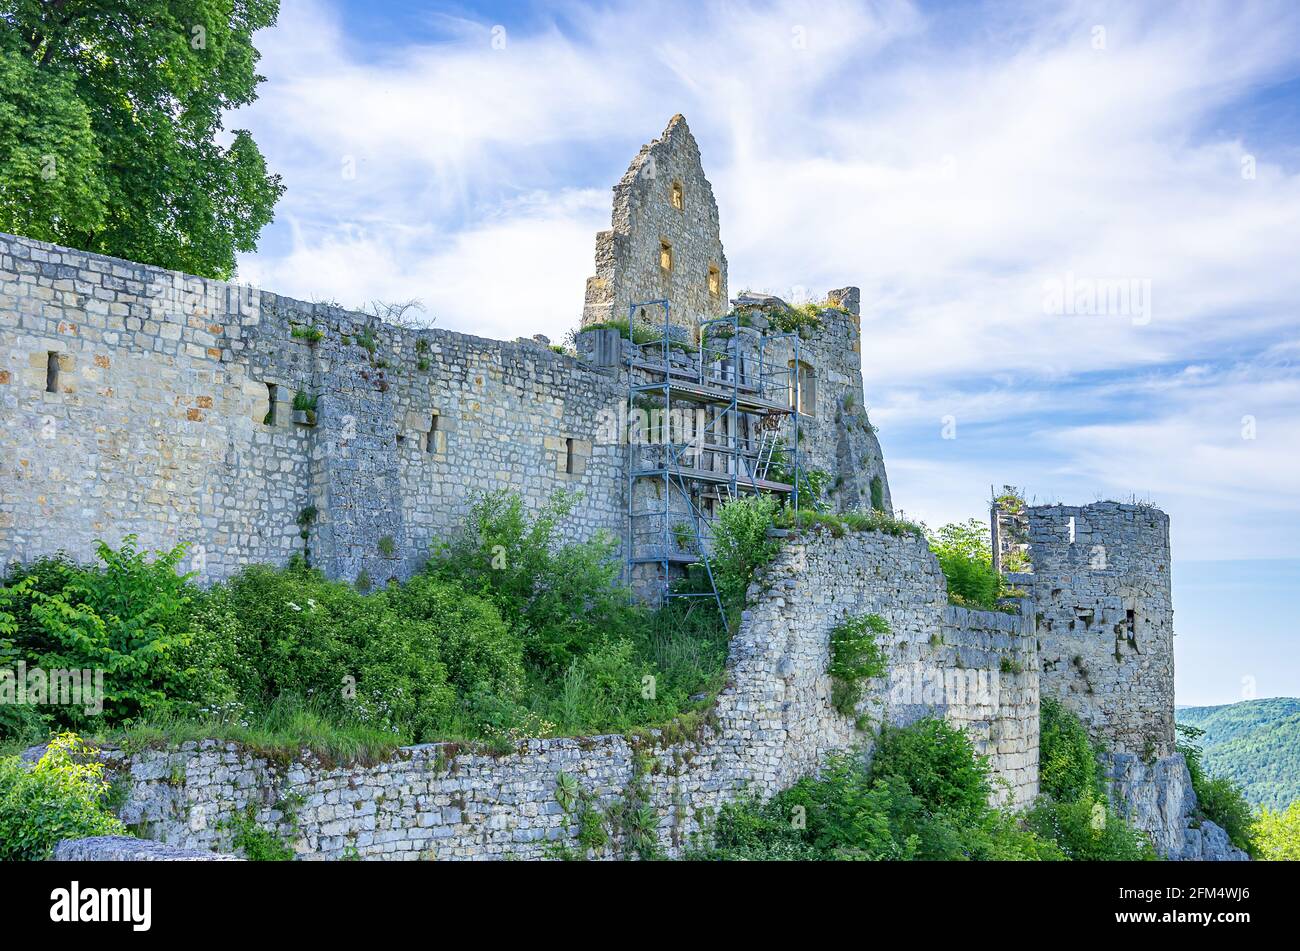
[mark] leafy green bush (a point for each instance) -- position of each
(852, 811)
(741, 545)
(354, 656)
(939, 765)
(855, 657)
(61, 796)
(1088, 830)
(965, 555)
(560, 598)
(129, 617)
(511, 633)
(1068, 766)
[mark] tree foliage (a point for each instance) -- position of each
(111, 136)
(1068, 767)
(60, 797)
(1277, 834)
(1255, 743)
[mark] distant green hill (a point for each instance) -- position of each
(1256, 742)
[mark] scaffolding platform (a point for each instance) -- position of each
(749, 406)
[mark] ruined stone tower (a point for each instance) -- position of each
(1099, 578)
(664, 243)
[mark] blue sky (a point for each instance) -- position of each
(959, 162)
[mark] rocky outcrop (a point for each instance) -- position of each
(1157, 797)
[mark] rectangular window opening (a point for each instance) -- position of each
(52, 372)
(431, 440)
(803, 389)
(272, 394)
(568, 456)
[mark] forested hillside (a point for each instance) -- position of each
(1256, 742)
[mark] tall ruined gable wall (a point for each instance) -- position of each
(645, 217)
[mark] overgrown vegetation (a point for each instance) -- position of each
(840, 524)
(1069, 768)
(855, 658)
(1072, 810)
(510, 632)
(965, 554)
(60, 797)
(924, 796)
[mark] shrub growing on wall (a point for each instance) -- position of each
(60, 797)
(1068, 767)
(561, 598)
(965, 555)
(1073, 810)
(512, 633)
(855, 657)
(938, 763)
(354, 656)
(923, 797)
(741, 545)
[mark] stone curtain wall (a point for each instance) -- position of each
(154, 427)
(1105, 619)
(161, 422)
(412, 424)
(994, 658)
(628, 269)
(772, 725)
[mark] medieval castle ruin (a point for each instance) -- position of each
(135, 400)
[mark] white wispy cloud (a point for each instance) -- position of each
(951, 162)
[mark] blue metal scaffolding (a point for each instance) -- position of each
(740, 404)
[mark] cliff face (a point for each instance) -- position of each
(1158, 798)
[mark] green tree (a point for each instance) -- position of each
(110, 128)
(1068, 767)
(1277, 834)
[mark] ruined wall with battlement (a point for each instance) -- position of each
(135, 400)
(1099, 578)
(772, 724)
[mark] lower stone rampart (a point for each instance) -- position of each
(771, 725)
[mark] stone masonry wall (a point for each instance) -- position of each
(1100, 584)
(151, 421)
(161, 422)
(172, 418)
(771, 725)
